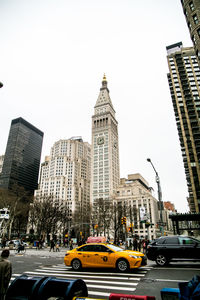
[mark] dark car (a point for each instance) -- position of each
(168, 248)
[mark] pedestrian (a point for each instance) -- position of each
(135, 244)
(52, 245)
(37, 245)
(40, 243)
(71, 244)
(57, 247)
(3, 243)
(145, 242)
(80, 243)
(5, 273)
(139, 245)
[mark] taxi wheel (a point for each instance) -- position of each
(122, 265)
(76, 264)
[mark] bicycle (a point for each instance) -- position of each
(20, 249)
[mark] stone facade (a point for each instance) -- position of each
(105, 175)
(65, 176)
(1, 162)
(134, 193)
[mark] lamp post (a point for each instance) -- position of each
(160, 204)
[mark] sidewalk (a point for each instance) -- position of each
(42, 252)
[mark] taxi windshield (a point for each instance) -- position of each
(115, 248)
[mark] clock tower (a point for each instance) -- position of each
(105, 175)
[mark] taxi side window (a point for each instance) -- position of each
(87, 248)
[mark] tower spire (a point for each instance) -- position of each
(104, 82)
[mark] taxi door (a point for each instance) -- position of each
(86, 255)
(104, 257)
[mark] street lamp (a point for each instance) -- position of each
(160, 204)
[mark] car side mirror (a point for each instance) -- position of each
(110, 251)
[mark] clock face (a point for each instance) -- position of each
(100, 140)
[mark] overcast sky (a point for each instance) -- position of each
(53, 55)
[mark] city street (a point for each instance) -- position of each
(148, 280)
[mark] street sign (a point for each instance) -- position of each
(161, 223)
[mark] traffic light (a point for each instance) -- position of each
(130, 229)
(124, 220)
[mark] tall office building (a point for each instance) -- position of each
(184, 81)
(191, 9)
(105, 175)
(22, 158)
(65, 177)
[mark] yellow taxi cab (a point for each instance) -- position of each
(102, 255)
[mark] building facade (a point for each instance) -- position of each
(191, 9)
(134, 196)
(105, 175)
(65, 178)
(184, 84)
(22, 158)
(1, 162)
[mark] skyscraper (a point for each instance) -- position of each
(184, 81)
(191, 9)
(22, 158)
(65, 177)
(105, 175)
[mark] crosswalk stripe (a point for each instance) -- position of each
(97, 293)
(77, 275)
(95, 273)
(109, 287)
(111, 282)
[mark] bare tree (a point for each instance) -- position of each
(81, 220)
(102, 215)
(17, 200)
(46, 216)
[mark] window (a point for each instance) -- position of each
(171, 241)
(194, 39)
(191, 5)
(86, 248)
(101, 248)
(196, 20)
(186, 241)
(190, 26)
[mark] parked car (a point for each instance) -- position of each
(101, 255)
(15, 243)
(176, 247)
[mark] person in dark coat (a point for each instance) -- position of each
(71, 244)
(52, 245)
(135, 244)
(5, 273)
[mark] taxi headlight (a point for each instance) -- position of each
(133, 256)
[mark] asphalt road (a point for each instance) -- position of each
(148, 280)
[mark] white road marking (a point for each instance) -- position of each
(77, 275)
(172, 280)
(109, 287)
(111, 282)
(97, 293)
(95, 273)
